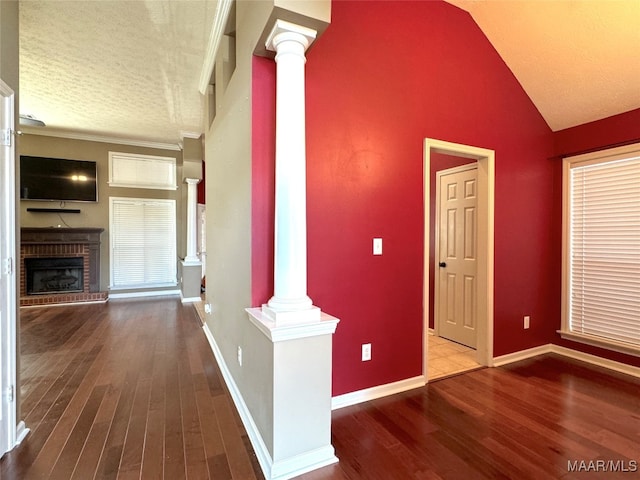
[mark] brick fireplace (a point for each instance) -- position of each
(60, 265)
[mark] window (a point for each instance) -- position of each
(142, 171)
(142, 242)
(601, 249)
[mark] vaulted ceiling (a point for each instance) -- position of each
(130, 69)
(578, 60)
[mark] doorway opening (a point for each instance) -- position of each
(480, 288)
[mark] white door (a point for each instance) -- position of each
(456, 269)
(7, 271)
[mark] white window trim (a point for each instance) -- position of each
(565, 332)
(146, 162)
(133, 286)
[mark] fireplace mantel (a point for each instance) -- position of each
(33, 236)
(63, 242)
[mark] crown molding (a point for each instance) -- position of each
(217, 31)
(100, 138)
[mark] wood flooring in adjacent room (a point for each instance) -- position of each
(130, 389)
(126, 389)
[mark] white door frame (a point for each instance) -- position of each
(8, 255)
(486, 199)
(436, 290)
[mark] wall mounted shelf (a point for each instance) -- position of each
(54, 210)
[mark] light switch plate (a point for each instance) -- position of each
(377, 246)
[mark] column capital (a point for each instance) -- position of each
(192, 181)
(283, 30)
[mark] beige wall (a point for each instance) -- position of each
(96, 214)
(228, 192)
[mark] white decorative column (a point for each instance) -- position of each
(289, 367)
(192, 201)
(290, 301)
(191, 266)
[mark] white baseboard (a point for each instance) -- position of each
(372, 393)
(21, 432)
(262, 453)
(595, 360)
(301, 464)
(567, 352)
(154, 293)
(190, 299)
(521, 355)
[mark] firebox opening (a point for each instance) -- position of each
(54, 275)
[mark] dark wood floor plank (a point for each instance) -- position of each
(174, 465)
(130, 389)
(153, 454)
(66, 462)
(195, 457)
(237, 456)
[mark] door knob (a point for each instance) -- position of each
(442, 264)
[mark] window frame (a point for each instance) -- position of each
(568, 163)
(171, 203)
(145, 163)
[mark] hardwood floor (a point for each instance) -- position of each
(127, 389)
(130, 389)
(522, 421)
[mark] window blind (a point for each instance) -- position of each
(604, 246)
(142, 171)
(143, 243)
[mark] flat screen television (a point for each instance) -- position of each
(57, 179)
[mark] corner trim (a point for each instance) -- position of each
(379, 391)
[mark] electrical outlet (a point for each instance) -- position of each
(240, 355)
(527, 319)
(207, 308)
(366, 352)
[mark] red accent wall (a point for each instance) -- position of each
(263, 154)
(202, 186)
(384, 76)
(602, 134)
(606, 133)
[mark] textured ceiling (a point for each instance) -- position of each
(115, 68)
(130, 69)
(578, 60)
